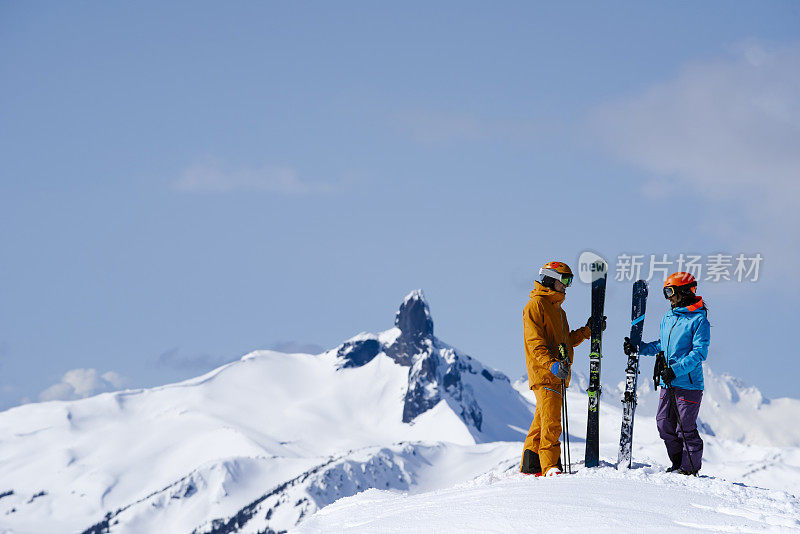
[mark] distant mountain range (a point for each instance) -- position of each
(260, 444)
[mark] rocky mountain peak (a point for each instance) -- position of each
(414, 316)
(436, 371)
(415, 323)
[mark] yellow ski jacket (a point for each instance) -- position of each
(545, 326)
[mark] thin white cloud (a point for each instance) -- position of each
(728, 130)
(82, 383)
(210, 177)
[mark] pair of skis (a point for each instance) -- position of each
(599, 275)
(592, 456)
(632, 374)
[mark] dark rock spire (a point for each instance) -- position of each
(416, 329)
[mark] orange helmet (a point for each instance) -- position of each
(682, 280)
(558, 266)
(557, 270)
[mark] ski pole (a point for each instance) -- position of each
(563, 437)
(680, 427)
(563, 428)
(565, 418)
(564, 358)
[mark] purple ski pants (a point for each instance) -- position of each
(688, 402)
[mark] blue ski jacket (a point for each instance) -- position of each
(684, 337)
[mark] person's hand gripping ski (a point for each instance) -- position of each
(560, 367)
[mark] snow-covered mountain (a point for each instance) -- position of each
(262, 444)
(438, 373)
(264, 428)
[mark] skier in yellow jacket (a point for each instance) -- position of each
(548, 357)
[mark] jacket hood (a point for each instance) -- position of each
(550, 294)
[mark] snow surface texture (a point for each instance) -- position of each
(593, 500)
(268, 443)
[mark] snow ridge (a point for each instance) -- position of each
(596, 500)
(396, 468)
(270, 442)
(437, 371)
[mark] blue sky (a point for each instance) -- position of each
(181, 184)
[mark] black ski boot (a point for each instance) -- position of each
(676, 462)
(530, 463)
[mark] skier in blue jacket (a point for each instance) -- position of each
(684, 338)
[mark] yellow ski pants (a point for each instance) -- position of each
(543, 437)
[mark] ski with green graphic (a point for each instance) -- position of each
(599, 275)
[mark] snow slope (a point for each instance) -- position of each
(735, 428)
(184, 454)
(592, 500)
(263, 444)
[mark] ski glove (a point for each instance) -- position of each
(667, 375)
(628, 347)
(602, 326)
(563, 353)
(560, 369)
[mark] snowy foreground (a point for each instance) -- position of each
(591, 500)
(389, 432)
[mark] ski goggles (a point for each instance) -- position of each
(565, 279)
(671, 290)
